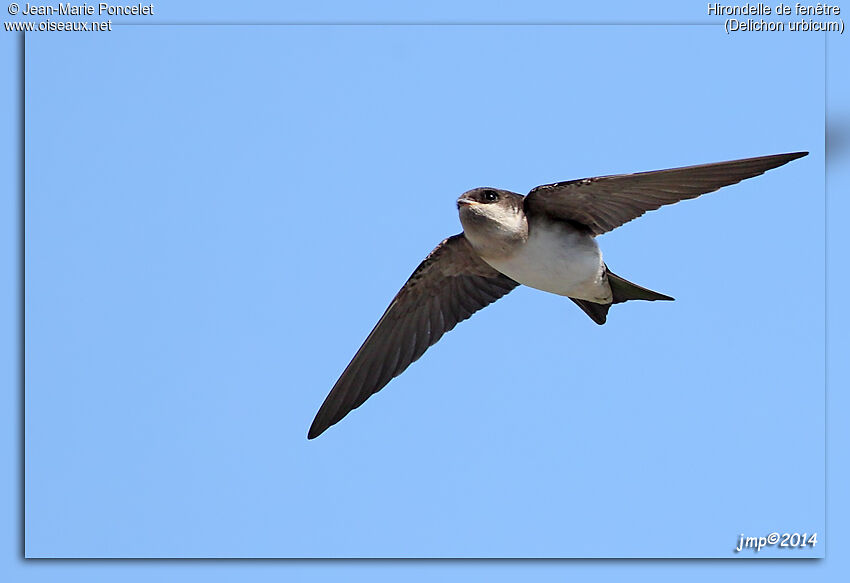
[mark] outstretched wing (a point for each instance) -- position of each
(448, 286)
(606, 202)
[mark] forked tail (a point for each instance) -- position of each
(622, 290)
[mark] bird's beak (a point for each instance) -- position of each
(463, 201)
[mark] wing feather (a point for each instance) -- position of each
(449, 286)
(604, 203)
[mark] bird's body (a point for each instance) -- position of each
(545, 240)
(558, 258)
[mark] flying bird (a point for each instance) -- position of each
(545, 240)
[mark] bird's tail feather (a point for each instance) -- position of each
(597, 312)
(622, 290)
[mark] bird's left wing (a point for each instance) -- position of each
(606, 202)
(448, 286)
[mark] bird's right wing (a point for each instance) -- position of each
(448, 286)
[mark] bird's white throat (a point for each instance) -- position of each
(494, 229)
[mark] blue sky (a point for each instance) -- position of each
(217, 216)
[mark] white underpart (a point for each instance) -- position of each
(558, 259)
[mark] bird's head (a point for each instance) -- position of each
(492, 219)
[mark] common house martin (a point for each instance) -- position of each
(545, 240)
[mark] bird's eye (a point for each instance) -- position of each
(490, 195)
